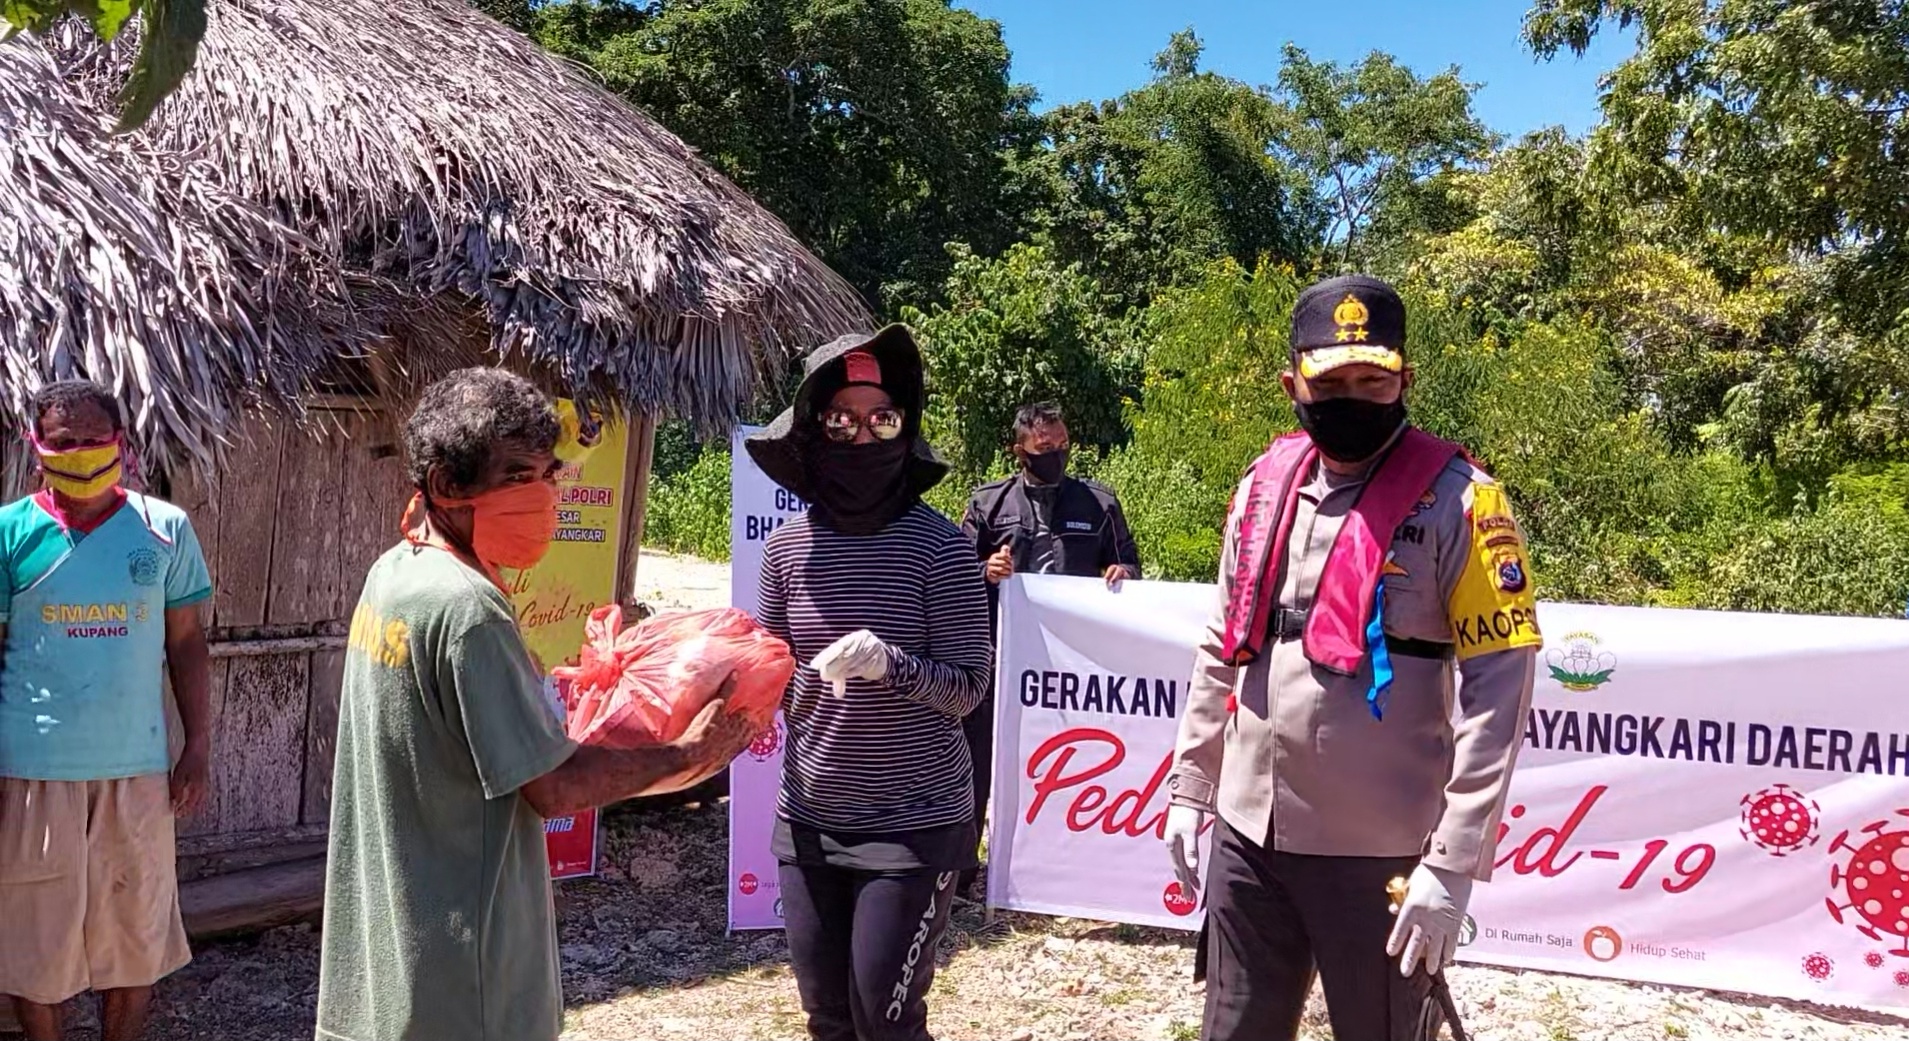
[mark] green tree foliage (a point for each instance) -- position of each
(1017, 329)
(688, 511)
(1785, 117)
(1376, 139)
(1680, 341)
(170, 31)
(873, 128)
(1144, 190)
(1768, 125)
(1210, 404)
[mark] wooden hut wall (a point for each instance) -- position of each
(289, 528)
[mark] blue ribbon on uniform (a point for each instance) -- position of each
(1381, 655)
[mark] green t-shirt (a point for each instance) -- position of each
(438, 918)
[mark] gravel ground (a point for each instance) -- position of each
(645, 956)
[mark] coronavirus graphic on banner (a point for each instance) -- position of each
(767, 743)
(1818, 966)
(1875, 880)
(1780, 820)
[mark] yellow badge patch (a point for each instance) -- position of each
(1494, 607)
(1350, 316)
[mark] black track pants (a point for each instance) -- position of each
(863, 949)
(1273, 919)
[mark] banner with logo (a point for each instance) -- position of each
(757, 507)
(578, 575)
(1702, 799)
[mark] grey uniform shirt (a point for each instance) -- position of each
(1302, 766)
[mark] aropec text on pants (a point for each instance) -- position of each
(899, 997)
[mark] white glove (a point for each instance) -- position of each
(861, 655)
(1183, 845)
(1429, 919)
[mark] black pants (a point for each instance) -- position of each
(863, 949)
(978, 728)
(1273, 919)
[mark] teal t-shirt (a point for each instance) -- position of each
(81, 687)
(438, 920)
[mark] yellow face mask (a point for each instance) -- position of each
(82, 473)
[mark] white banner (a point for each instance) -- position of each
(1089, 684)
(1703, 799)
(757, 507)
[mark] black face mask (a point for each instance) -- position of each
(858, 489)
(1046, 467)
(1351, 430)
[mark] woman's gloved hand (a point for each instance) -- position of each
(861, 655)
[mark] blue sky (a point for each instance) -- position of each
(1075, 50)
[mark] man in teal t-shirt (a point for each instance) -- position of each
(438, 919)
(99, 591)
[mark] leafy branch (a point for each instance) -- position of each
(170, 31)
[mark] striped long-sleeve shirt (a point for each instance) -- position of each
(889, 756)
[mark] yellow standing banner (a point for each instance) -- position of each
(578, 575)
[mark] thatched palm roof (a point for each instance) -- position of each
(123, 262)
(474, 182)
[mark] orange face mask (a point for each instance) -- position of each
(512, 526)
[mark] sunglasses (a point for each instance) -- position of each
(841, 425)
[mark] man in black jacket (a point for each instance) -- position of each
(1042, 521)
(1039, 522)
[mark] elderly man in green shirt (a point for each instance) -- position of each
(438, 915)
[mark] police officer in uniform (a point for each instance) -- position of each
(1042, 522)
(1363, 562)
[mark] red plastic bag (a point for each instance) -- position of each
(645, 685)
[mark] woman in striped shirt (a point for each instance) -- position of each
(882, 600)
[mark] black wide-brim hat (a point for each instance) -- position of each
(779, 449)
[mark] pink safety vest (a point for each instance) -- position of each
(1335, 636)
